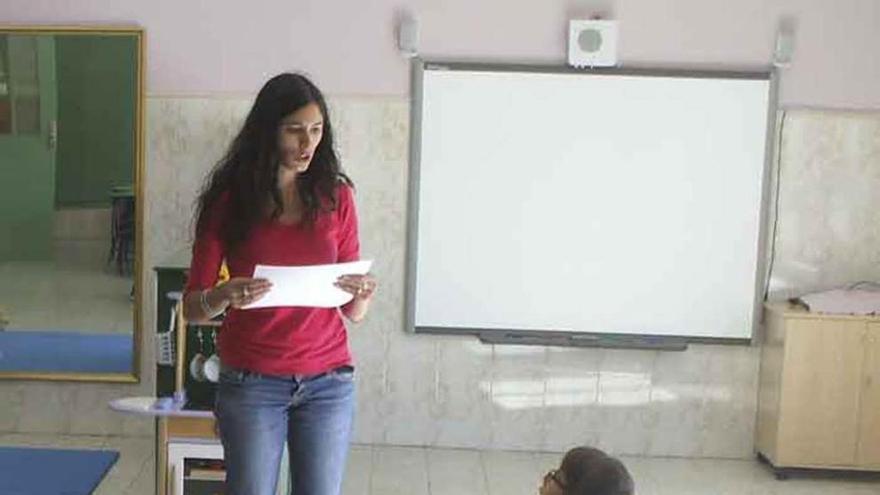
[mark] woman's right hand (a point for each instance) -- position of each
(241, 291)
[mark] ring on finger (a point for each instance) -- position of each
(244, 292)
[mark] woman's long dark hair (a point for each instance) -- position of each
(248, 172)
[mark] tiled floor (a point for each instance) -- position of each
(133, 472)
(382, 470)
(77, 290)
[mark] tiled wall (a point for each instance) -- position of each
(454, 391)
(829, 202)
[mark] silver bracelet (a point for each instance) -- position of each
(206, 308)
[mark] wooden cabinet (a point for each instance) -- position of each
(190, 471)
(819, 390)
(179, 438)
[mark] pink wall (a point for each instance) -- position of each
(231, 46)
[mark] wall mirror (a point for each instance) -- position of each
(71, 190)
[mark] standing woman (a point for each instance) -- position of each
(278, 197)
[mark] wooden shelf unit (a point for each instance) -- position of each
(819, 391)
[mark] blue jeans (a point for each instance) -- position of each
(256, 413)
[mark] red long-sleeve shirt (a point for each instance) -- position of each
(288, 340)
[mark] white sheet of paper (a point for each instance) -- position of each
(307, 285)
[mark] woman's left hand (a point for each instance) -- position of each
(362, 287)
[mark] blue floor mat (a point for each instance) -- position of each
(37, 471)
(65, 351)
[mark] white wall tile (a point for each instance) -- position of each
(462, 405)
(412, 379)
(829, 220)
(46, 408)
(572, 412)
(91, 415)
(12, 398)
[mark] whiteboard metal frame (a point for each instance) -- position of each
(583, 339)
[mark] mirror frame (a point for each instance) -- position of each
(138, 274)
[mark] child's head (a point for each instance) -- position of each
(588, 471)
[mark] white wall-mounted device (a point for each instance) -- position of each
(408, 36)
(592, 43)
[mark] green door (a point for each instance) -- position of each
(28, 101)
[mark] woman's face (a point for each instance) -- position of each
(552, 483)
(298, 135)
